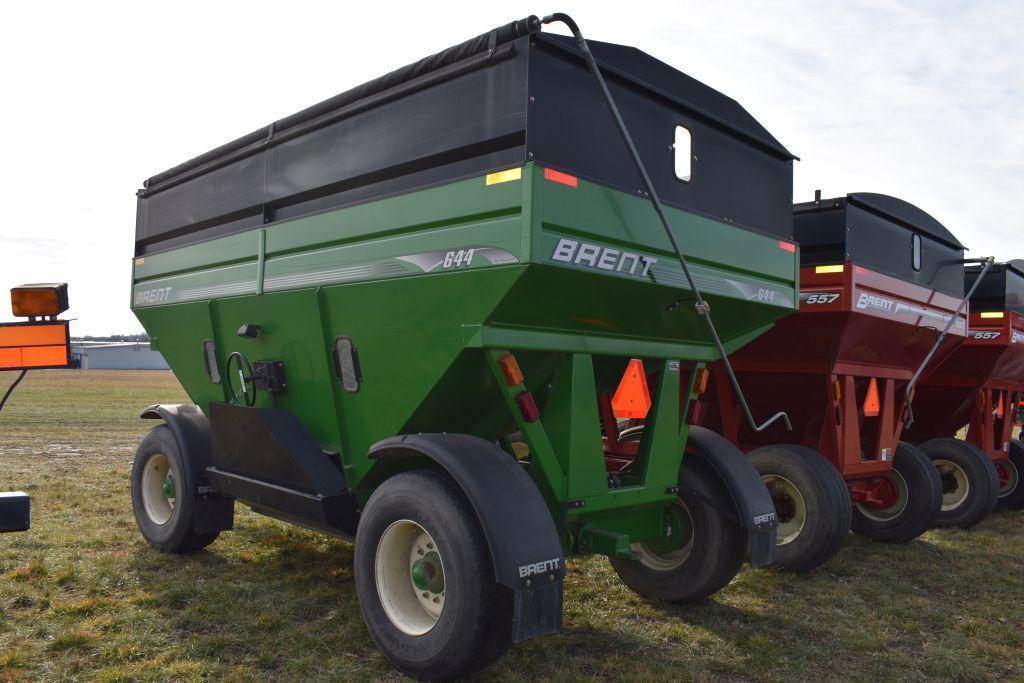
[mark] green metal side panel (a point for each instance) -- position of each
(432, 286)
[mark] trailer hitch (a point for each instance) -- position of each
(702, 307)
(908, 394)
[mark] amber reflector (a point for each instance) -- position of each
(39, 300)
(510, 368)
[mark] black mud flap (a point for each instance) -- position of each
(753, 506)
(265, 458)
(213, 511)
(537, 612)
(525, 548)
(15, 511)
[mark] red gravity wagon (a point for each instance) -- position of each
(881, 298)
(980, 386)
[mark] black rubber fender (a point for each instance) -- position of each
(752, 504)
(521, 535)
(191, 429)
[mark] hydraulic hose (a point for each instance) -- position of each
(700, 305)
(10, 389)
(909, 392)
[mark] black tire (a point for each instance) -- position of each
(717, 546)
(920, 496)
(475, 622)
(970, 487)
(811, 501)
(1011, 494)
(167, 531)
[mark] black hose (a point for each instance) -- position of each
(701, 305)
(10, 389)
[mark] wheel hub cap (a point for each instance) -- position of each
(158, 496)
(789, 506)
(955, 484)
(1009, 477)
(409, 573)
(428, 574)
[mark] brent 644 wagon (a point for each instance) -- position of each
(395, 311)
(881, 282)
(980, 386)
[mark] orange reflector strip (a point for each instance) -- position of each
(632, 399)
(510, 368)
(504, 176)
(872, 405)
(837, 390)
(559, 177)
(999, 407)
(700, 383)
(34, 345)
(787, 246)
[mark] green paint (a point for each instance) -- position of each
(428, 573)
(434, 286)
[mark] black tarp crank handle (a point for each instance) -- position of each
(908, 393)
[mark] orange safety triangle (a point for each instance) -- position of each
(999, 406)
(632, 399)
(872, 406)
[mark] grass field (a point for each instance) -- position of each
(83, 597)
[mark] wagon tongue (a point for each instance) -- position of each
(700, 304)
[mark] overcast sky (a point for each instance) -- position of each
(921, 100)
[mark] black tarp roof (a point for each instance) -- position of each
(468, 110)
(907, 213)
(658, 77)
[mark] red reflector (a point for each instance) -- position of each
(559, 177)
(528, 407)
(632, 399)
(872, 404)
(787, 246)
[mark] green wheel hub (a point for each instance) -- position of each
(428, 574)
(168, 487)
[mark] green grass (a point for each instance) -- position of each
(82, 597)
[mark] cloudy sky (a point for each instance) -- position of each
(922, 100)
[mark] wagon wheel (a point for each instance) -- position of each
(245, 393)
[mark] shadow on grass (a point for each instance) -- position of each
(283, 601)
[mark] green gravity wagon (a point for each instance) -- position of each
(396, 313)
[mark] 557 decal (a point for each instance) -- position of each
(819, 297)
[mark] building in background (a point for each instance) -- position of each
(116, 356)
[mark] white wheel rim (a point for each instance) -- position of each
(404, 545)
(666, 562)
(955, 484)
(894, 510)
(155, 475)
(1014, 478)
(785, 492)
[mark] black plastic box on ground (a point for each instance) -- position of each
(15, 512)
(883, 234)
(1001, 289)
(498, 101)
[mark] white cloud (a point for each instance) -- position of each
(920, 100)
